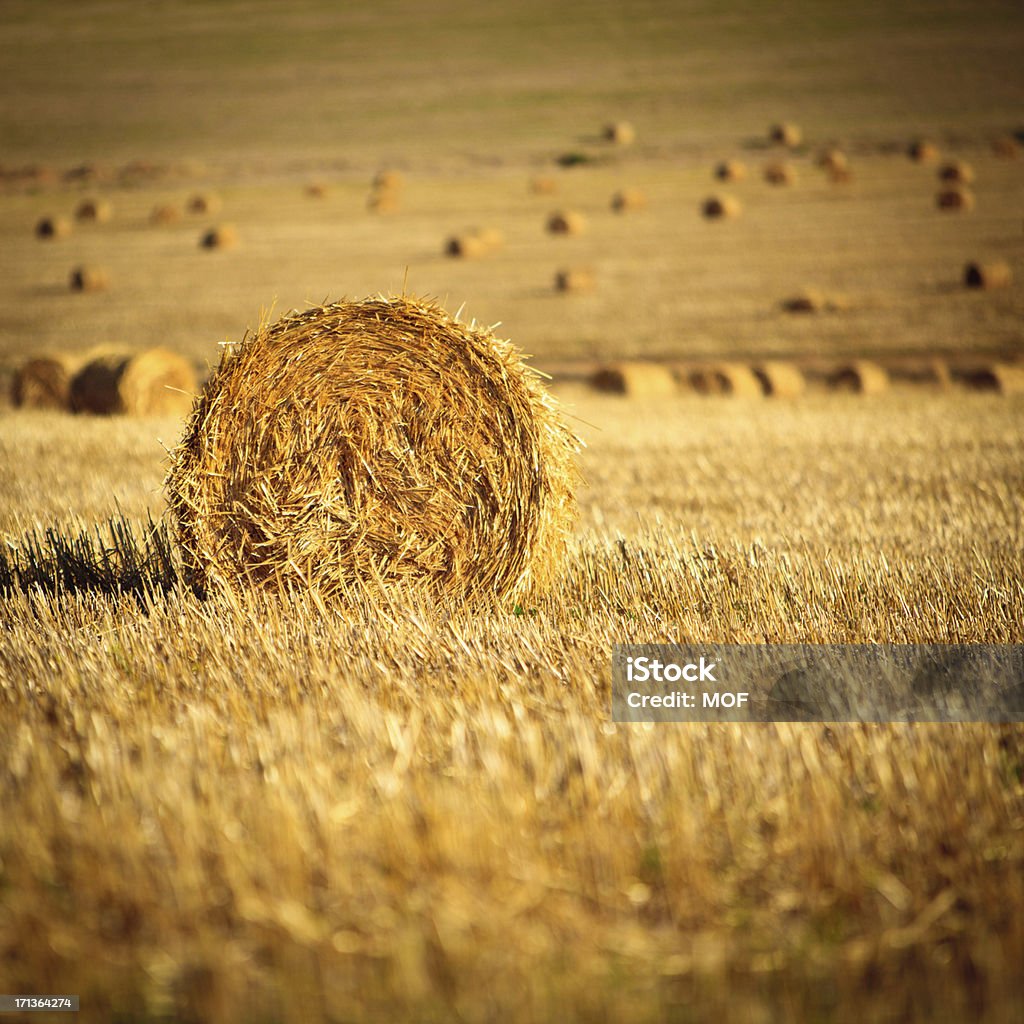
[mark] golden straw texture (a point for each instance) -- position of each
(371, 442)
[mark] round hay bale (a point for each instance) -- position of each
(388, 179)
(635, 379)
(384, 201)
(620, 133)
(155, 382)
(203, 203)
(89, 279)
(44, 382)
(860, 376)
(316, 190)
(730, 170)
(727, 378)
(955, 199)
(543, 185)
(164, 214)
(810, 300)
(628, 199)
(223, 236)
(994, 274)
(779, 174)
(721, 207)
(466, 246)
(375, 442)
(923, 151)
(575, 279)
(832, 159)
(780, 379)
(786, 134)
(1001, 378)
(956, 172)
(1006, 147)
(53, 227)
(99, 211)
(840, 175)
(567, 222)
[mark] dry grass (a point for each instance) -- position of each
(248, 809)
(434, 457)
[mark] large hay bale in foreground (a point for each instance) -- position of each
(151, 383)
(995, 274)
(89, 279)
(374, 442)
(44, 382)
(860, 376)
(780, 379)
(98, 211)
(721, 207)
(635, 379)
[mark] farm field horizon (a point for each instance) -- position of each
(390, 806)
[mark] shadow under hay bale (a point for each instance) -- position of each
(956, 172)
(780, 379)
(99, 211)
(785, 134)
(566, 222)
(730, 170)
(44, 382)
(370, 443)
(53, 227)
(955, 199)
(151, 383)
(224, 236)
(577, 279)
(733, 379)
(164, 214)
(628, 199)
(620, 133)
(721, 208)
(861, 376)
(986, 276)
(203, 203)
(635, 379)
(89, 279)
(1000, 378)
(923, 151)
(779, 174)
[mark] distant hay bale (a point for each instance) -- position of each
(164, 214)
(384, 201)
(99, 211)
(780, 379)
(44, 382)
(956, 172)
(475, 243)
(840, 175)
(923, 151)
(810, 300)
(860, 376)
(635, 380)
(832, 159)
(628, 199)
(994, 274)
(375, 442)
(786, 134)
(721, 207)
(575, 279)
(151, 383)
(316, 190)
(223, 236)
(203, 203)
(621, 133)
(53, 227)
(730, 170)
(955, 199)
(1006, 147)
(728, 378)
(1002, 378)
(779, 174)
(388, 178)
(89, 279)
(543, 185)
(567, 222)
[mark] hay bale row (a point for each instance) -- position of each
(434, 457)
(640, 379)
(107, 381)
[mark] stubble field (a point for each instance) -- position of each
(260, 809)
